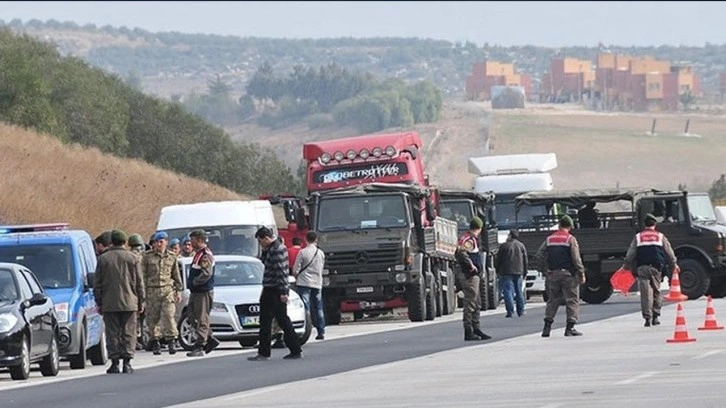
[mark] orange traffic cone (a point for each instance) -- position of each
(674, 294)
(710, 323)
(681, 333)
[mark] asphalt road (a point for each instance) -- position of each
(215, 376)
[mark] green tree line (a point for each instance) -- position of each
(65, 97)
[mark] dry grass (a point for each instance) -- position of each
(47, 181)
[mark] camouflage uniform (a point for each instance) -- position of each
(136, 247)
(163, 282)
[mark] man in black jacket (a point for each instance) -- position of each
(511, 265)
(274, 297)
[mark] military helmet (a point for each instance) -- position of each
(135, 240)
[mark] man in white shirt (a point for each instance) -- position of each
(308, 271)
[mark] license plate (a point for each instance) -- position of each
(366, 289)
(249, 321)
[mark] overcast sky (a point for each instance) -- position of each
(505, 23)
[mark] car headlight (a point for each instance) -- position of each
(219, 307)
(297, 302)
(7, 322)
(61, 312)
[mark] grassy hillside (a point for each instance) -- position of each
(47, 181)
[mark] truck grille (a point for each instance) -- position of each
(365, 260)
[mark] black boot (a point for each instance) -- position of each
(647, 323)
(171, 344)
(481, 334)
(127, 366)
(570, 330)
(114, 367)
(470, 336)
(156, 347)
(212, 344)
(656, 322)
(547, 329)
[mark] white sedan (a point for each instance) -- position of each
(235, 312)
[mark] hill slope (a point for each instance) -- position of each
(47, 181)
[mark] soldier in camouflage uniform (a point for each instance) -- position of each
(163, 290)
(186, 247)
(137, 247)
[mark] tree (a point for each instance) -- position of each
(218, 87)
(686, 99)
(718, 188)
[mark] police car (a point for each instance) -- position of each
(64, 261)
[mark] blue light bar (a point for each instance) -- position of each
(10, 229)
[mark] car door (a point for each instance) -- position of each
(45, 312)
(33, 314)
(94, 320)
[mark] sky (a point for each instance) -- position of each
(552, 24)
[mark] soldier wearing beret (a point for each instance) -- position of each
(119, 291)
(201, 287)
(648, 256)
(186, 247)
(558, 258)
(471, 266)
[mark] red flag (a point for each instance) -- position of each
(622, 280)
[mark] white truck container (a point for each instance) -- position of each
(230, 225)
(509, 176)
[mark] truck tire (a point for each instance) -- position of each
(439, 294)
(332, 313)
(450, 295)
(717, 288)
(693, 278)
(431, 301)
(484, 290)
(596, 290)
(493, 297)
(416, 301)
(78, 361)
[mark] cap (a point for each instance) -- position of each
(160, 235)
(650, 217)
(198, 233)
(186, 239)
(566, 221)
(118, 237)
(476, 223)
(514, 233)
(135, 240)
(174, 241)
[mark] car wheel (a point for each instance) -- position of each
(308, 329)
(248, 342)
(78, 361)
(99, 353)
(50, 364)
(187, 337)
(22, 371)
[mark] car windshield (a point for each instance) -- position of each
(361, 212)
(8, 289)
(236, 273)
(701, 208)
(51, 264)
(457, 211)
(225, 240)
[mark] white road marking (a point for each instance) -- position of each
(553, 405)
(707, 354)
(637, 378)
(253, 392)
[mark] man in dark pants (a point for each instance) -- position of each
(471, 265)
(559, 260)
(650, 253)
(511, 265)
(119, 291)
(273, 300)
(201, 296)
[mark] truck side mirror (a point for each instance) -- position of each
(89, 280)
(430, 210)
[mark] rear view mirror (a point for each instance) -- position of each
(37, 299)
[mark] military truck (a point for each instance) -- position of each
(688, 220)
(461, 206)
(386, 247)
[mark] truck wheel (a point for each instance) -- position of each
(99, 353)
(439, 294)
(332, 314)
(416, 301)
(596, 291)
(431, 302)
(484, 290)
(450, 294)
(694, 278)
(717, 288)
(78, 361)
(493, 297)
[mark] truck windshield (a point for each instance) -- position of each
(225, 240)
(361, 212)
(458, 211)
(701, 208)
(51, 264)
(508, 218)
